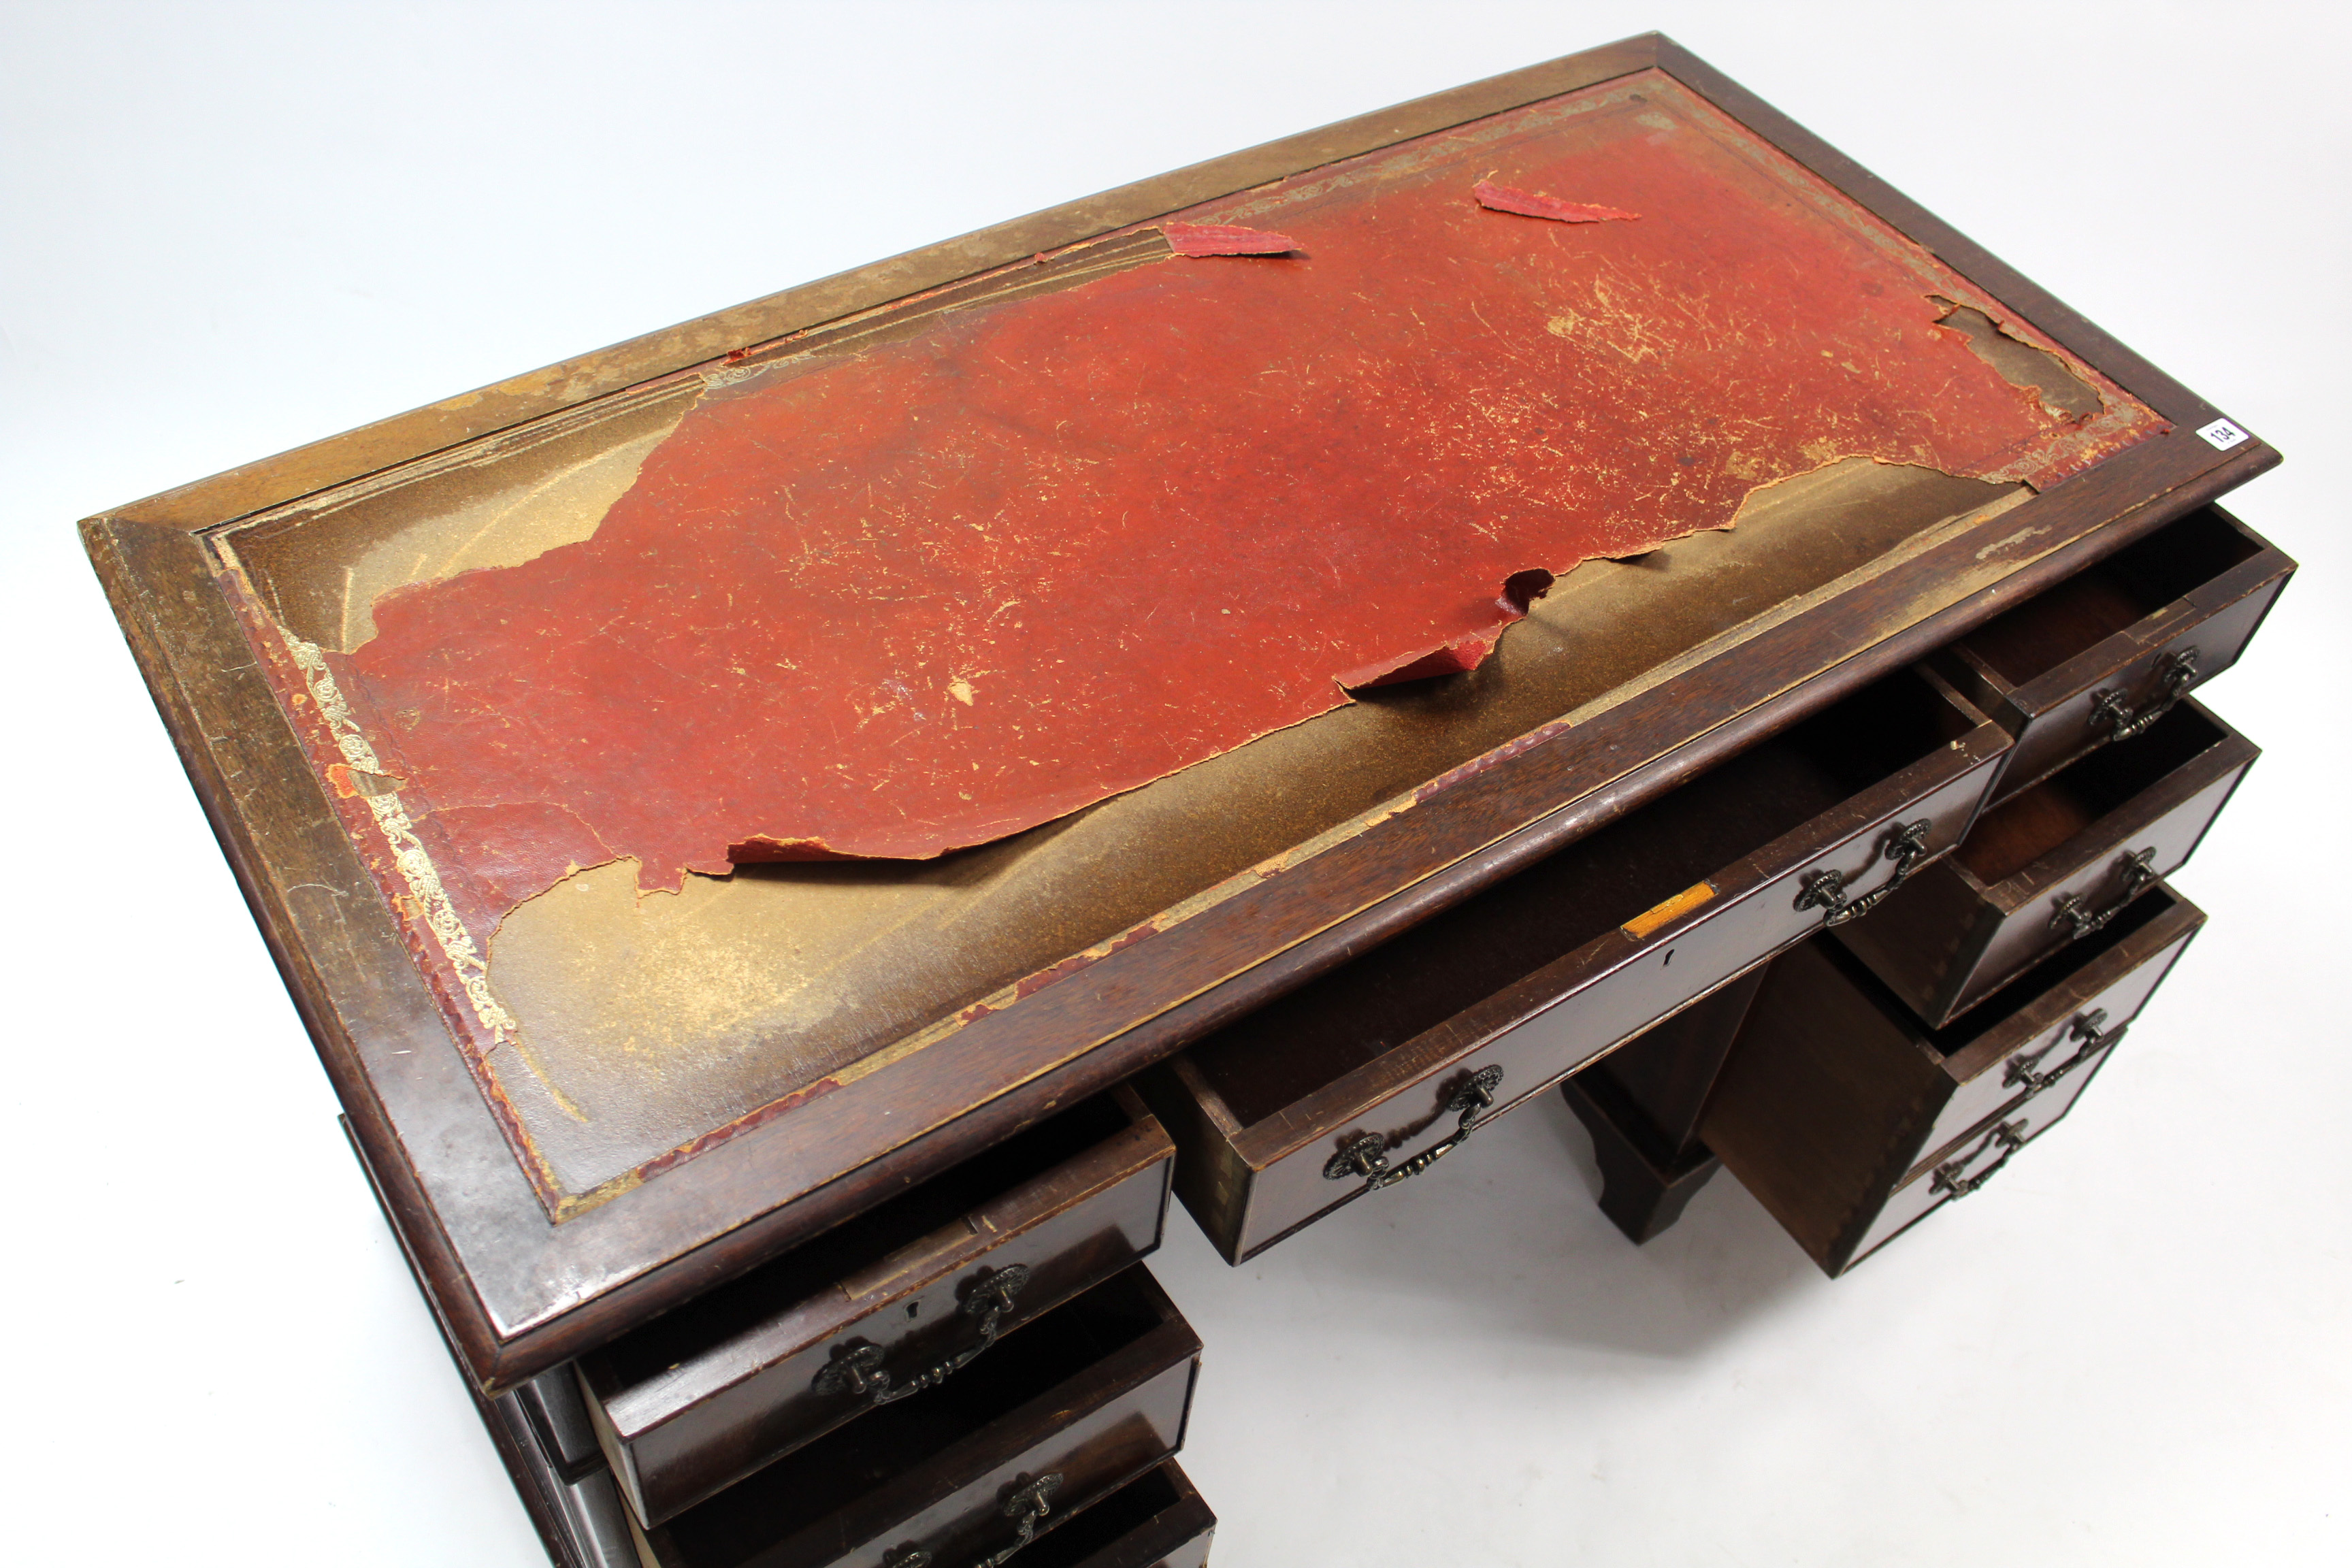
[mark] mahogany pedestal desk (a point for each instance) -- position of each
(795, 835)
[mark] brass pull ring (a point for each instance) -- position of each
(1030, 1503)
(2068, 915)
(1949, 1178)
(1367, 1157)
(1906, 846)
(2090, 1029)
(856, 1369)
(2174, 677)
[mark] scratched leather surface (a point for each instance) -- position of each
(955, 586)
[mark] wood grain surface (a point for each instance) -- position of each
(522, 1283)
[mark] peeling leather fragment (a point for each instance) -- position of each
(1520, 591)
(1225, 240)
(351, 783)
(1534, 203)
(2033, 370)
(813, 970)
(947, 585)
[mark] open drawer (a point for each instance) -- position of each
(1092, 1396)
(1372, 1071)
(1850, 1120)
(1156, 1521)
(2053, 863)
(2102, 655)
(894, 1302)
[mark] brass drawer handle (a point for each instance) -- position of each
(1030, 1504)
(1367, 1155)
(2174, 677)
(2089, 1028)
(1947, 1177)
(857, 1367)
(2068, 915)
(1906, 846)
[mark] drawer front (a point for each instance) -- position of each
(2122, 681)
(2136, 845)
(1977, 1158)
(1947, 941)
(2134, 692)
(1157, 1520)
(558, 1415)
(2062, 1052)
(597, 1529)
(1557, 1023)
(1085, 1463)
(918, 1486)
(903, 1324)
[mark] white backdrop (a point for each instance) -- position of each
(231, 228)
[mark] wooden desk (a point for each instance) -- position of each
(1666, 765)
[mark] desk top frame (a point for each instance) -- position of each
(517, 1291)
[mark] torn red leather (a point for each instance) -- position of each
(1224, 239)
(1534, 203)
(955, 584)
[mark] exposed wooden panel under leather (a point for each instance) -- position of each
(1621, 413)
(646, 1023)
(527, 1267)
(1003, 560)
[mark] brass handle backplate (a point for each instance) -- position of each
(1367, 1157)
(2068, 915)
(1906, 846)
(2090, 1032)
(857, 1367)
(1029, 1503)
(2010, 1136)
(2174, 677)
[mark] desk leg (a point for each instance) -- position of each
(1643, 1184)
(1641, 1104)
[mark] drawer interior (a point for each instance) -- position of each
(1372, 1003)
(1972, 1026)
(2110, 596)
(717, 1316)
(2034, 821)
(884, 1444)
